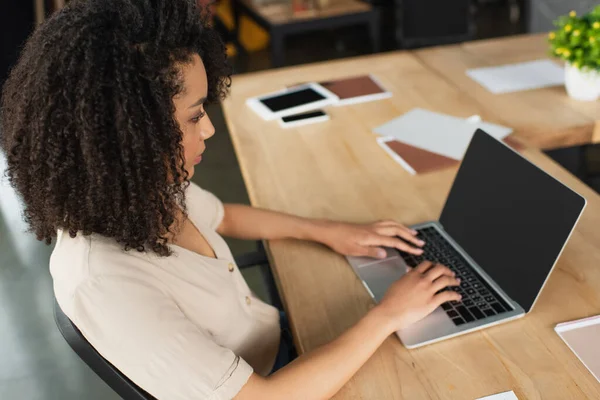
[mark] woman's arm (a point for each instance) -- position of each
(319, 374)
(251, 223)
(245, 222)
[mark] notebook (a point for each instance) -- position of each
(443, 134)
(516, 77)
(419, 161)
(413, 159)
(357, 89)
(583, 338)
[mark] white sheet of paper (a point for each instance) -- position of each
(510, 395)
(517, 77)
(582, 338)
(439, 133)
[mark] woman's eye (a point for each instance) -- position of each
(198, 117)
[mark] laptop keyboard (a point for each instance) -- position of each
(479, 300)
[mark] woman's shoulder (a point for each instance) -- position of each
(197, 195)
(69, 259)
(78, 261)
(80, 251)
(203, 206)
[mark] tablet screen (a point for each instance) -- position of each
(290, 100)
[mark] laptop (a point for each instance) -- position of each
(502, 229)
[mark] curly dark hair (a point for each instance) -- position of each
(87, 118)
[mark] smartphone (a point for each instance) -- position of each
(310, 117)
(291, 101)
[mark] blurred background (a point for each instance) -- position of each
(35, 362)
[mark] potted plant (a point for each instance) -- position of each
(577, 41)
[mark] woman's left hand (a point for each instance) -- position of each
(369, 239)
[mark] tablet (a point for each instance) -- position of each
(291, 101)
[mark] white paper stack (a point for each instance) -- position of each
(517, 77)
(439, 133)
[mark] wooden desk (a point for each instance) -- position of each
(280, 20)
(336, 170)
(545, 118)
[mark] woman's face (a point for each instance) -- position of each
(190, 114)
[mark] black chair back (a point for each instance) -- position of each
(105, 370)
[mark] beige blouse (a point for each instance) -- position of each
(180, 327)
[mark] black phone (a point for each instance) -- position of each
(304, 118)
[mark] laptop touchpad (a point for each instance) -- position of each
(381, 275)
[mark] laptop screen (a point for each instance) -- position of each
(511, 217)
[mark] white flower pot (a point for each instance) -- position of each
(581, 84)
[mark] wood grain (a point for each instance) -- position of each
(336, 170)
(544, 118)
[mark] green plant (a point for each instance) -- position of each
(577, 39)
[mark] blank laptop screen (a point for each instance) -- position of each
(511, 217)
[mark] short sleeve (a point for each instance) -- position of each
(143, 333)
(204, 206)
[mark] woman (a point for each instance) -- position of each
(103, 123)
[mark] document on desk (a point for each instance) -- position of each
(437, 133)
(517, 77)
(412, 159)
(583, 338)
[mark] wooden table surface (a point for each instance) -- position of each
(336, 170)
(545, 118)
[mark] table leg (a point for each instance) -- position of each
(277, 55)
(374, 31)
(398, 24)
(236, 20)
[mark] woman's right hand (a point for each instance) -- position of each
(413, 296)
(330, 366)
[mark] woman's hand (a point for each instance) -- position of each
(368, 240)
(331, 365)
(415, 295)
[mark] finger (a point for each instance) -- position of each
(423, 267)
(392, 223)
(402, 232)
(443, 282)
(400, 245)
(437, 271)
(446, 296)
(410, 237)
(373, 252)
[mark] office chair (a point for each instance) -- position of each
(105, 370)
(108, 372)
